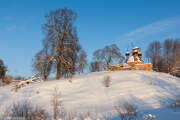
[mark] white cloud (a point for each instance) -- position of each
(151, 30)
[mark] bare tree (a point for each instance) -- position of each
(108, 55)
(165, 57)
(62, 40)
(168, 54)
(175, 69)
(154, 53)
(42, 63)
(3, 70)
(174, 58)
(171, 53)
(82, 62)
(95, 66)
(26, 110)
(56, 101)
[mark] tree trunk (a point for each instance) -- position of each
(45, 77)
(58, 74)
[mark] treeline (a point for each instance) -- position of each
(165, 56)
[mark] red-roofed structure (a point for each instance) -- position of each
(133, 62)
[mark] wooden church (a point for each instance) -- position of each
(134, 61)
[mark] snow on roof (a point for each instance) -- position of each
(125, 65)
(122, 65)
(131, 59)
(135, 51)
(127, 52)
(138, 59)
(139, 52)
(136, 47)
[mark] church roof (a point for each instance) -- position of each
(136, 47)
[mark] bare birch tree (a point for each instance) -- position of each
(95, 66)
(42, 64)
(175, 70)
(82, 62)
(108, 55)
(165, 56)
(167, 52)
(154, 53)
(172, 56)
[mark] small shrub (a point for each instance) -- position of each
(108, 116)
(149, 116)
(88, 116)
(56, 101)
(127, 111)
(176, 103)
(107, 81)
(27, 111)
(37, 92)
(15, 88)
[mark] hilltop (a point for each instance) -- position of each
(149, 91)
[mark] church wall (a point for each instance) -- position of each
(143, 67)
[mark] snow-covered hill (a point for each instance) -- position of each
(149, 91)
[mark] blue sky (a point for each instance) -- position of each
(99, 23)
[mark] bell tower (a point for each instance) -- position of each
(127, 55)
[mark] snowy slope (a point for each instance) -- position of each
(149, 91)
